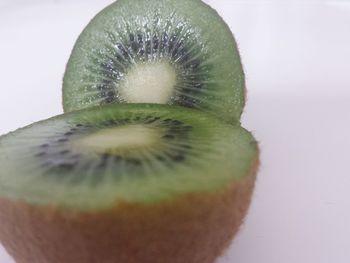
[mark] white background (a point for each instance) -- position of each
(297, 61)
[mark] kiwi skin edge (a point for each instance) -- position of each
(195, 228)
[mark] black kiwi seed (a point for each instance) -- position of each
(160, 158)
(64, 152)
(117, 158)
(110, 123)
(102, 164)
(152, 120)
(186, 146)
(40, 154)
(176, 122)
(76, 156)
(169, 136)
(124, 121)
(67, 165)
(133, 161)
(178, 158)
(46, 164)
(106, 156)
(109, 100)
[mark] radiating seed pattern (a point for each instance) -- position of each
(59, 159)
(169, 40)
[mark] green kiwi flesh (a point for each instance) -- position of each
(157, 51)
(158, 152)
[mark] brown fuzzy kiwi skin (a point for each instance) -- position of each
(195, 228)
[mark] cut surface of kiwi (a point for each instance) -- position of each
(129, 152)
(158, 51)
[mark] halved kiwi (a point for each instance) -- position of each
(158, 51)
(124, 183)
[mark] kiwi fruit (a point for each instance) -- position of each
(125, 183)
(157, 51)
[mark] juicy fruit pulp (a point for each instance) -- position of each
(166, 52)
(68, 161)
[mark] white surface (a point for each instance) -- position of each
(149, 83)
(297, 62)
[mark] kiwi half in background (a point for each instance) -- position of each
(124, 183)
(157, 51)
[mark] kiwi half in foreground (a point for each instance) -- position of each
(124, 183)
(158, 51)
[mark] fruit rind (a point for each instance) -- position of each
(195, 228)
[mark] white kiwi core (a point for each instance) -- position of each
(150, 82)
(120, 139)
